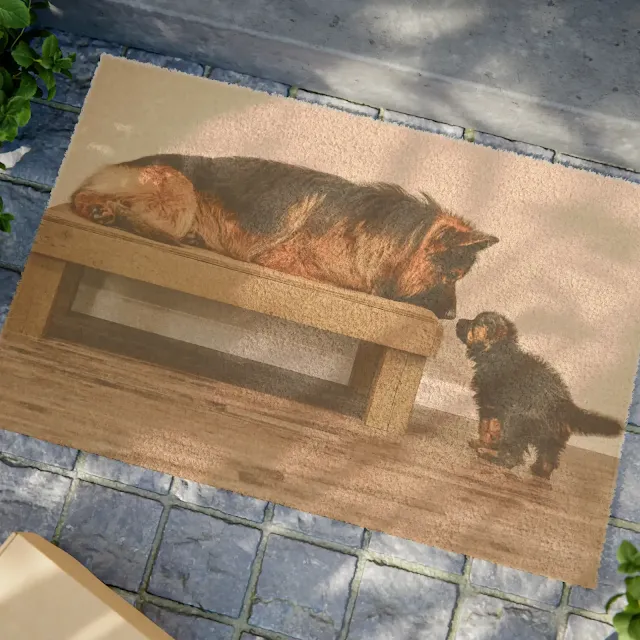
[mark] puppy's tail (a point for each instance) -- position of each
(590, 423)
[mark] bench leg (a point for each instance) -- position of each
(46, 284)
(365, 366)
(394, 389)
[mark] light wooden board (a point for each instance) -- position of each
(426, 485)
(64, 236)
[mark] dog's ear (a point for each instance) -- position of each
(453, 234)
(476, 240)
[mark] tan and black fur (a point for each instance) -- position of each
(376, 238)
(522, 401)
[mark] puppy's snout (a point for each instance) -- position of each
(462, 329)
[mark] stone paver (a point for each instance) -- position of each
(610, 581)
(111, 533)
(30, 500)
(126, 596)
(168, 62)
(318, 526)
(520, 583)
(626, 503)
(8, 283)
(27, 205)
(393, 603)
(423, 124)
(337, 103)
(127, 473)
(25, 447)
(244, 80)
(88, 52)
(634, 409)
(579, 628)
(184, 627)
(487, 618)
(496, 142)
(416, 552)
(44, 141)
(221, 499)
(204, 562)
(302, 590)
(596, 167)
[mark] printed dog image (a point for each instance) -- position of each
(522, 401)
(376, 238)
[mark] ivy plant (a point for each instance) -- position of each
(627, 621)
(22, 63)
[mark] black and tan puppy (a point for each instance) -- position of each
(375, 238)
(522, 401)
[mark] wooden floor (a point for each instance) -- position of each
(426, 485)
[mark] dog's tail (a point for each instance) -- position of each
(590, 423)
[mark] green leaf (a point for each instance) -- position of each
(66, 73)
(47, 77)
(19, 109)
(46, 63)
(633, 587)
(51, 93)
(15, 105)
(24, 115)
(50, 46)
(28, 86)
(23, 54)
(8, 129)
(5, 222)
(3, 167)
(626, 552)
(3, 97)
(65, 63)
(634, 627)
(13, 14)
(629, 567)
(6, 83)
(612, 599)
(621, 622)
(4, 40)
(1, 201)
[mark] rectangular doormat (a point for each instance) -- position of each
(379, 325)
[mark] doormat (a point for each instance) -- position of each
(387, 327)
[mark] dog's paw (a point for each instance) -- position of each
(102, 215)
(192, 239)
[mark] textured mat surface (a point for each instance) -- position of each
(563, 270)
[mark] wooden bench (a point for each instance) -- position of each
(395, 338)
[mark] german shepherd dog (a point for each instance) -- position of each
(522, 401)
(375, 238)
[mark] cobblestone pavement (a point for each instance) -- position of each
(208, 564)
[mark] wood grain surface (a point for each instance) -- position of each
(426, 485)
